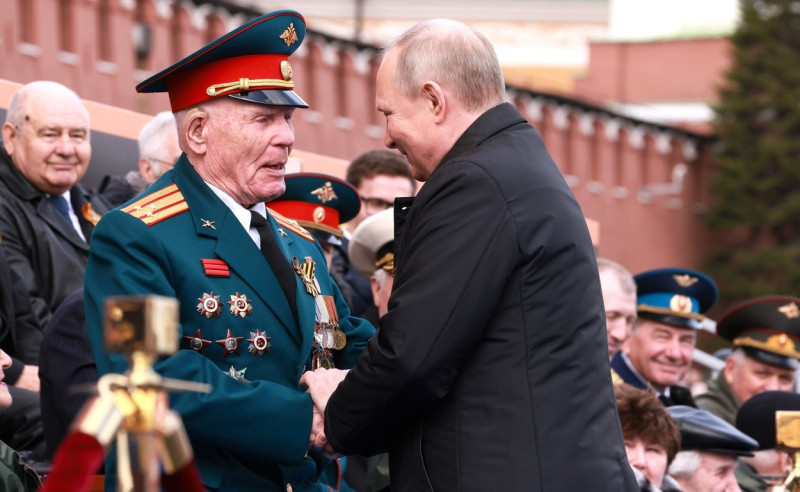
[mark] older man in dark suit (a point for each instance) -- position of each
(490, 369)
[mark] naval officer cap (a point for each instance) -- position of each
(372, 245)
(250, 63)
(319, 203)
(756, 416)
(674, 296)
(766, 328)
(703, 431)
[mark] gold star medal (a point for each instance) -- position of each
(240, 305)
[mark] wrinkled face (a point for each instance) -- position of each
(620, 311)
(748, 377)
(378, 193)
(648, 458)
(715, 474)
(51, 146)
(5, 396)
(661, 353)
(409, 122)
(248, 145)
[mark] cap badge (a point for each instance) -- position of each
(289, 36)
(209, 306)
(230, 344)
(681, 304)
(240, 305)
(685, 280)
(286, 70)
(790, 310)
(319, 215)
(259, 343)
(325, 193)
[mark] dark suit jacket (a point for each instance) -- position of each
(490, 370)
(66, 367)
(246, 435)
(20, 334)
(48, 255)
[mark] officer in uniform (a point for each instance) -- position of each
(765, 333)
(670, 304)
(252, 321)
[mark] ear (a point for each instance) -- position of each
(195, 126)
(730, 365)
(146, 170)
(434, 96)
(376, 289)
(9, 132)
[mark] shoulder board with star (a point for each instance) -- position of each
(159, 205)
(291, 224)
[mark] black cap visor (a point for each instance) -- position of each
(272, 97)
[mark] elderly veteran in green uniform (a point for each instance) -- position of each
(765, 333)
(670, 304)
(249, 319)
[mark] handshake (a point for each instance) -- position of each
(321, 384)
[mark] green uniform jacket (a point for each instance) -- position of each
(246, 435)
(719, 399)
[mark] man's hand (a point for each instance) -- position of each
(321, 384)
(29, 378)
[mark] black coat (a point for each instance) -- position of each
(20, 335)
(48, 255)
(490, 370)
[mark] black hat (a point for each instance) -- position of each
(767, 328)
(249, 63)
(703, 431)
(756, 416)
(674, 296)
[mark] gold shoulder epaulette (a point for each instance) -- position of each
(290, 224)
(159, 205)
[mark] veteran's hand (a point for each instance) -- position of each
(29, 378)
(321, 384)
(318, 441)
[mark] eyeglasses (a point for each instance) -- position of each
(375, 205)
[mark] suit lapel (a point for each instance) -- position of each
(50, 214)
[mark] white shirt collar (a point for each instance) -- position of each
(242, 214)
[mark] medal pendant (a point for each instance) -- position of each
(339, 339)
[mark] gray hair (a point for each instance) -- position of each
(153, 138)
(455, 56)
(624, 277)
(685, 464)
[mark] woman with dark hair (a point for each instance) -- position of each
(652, 439)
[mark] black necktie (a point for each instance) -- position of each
(61, 204)
(272, 253)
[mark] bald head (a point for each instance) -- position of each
(46, 134)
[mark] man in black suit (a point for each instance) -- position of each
(670, 303)
(46, 216)
(490, 369)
